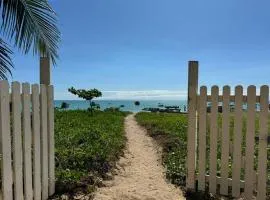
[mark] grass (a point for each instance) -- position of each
(170, 131)
(86, 147)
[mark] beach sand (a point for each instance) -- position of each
(140, 174)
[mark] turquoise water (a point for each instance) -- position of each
(128, 104)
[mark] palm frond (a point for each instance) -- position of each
(5, 60)
(32, 23)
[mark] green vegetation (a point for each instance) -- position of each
(64, 105)
(88, 95)
(112, 109)
(86, 147)
(170, 131)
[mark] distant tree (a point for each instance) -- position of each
(88, 95)
(64, 105)
(94, 106)
(137, 103)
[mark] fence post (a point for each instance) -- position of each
(192, 123)
(45, 79)
(45, 71)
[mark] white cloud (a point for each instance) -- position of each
(144, 94)
(125, 94)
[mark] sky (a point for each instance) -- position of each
(139, 49)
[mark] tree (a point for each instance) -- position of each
(64, 105)
(88, 95)
(137, 103)
(28, 24)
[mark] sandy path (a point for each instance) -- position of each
(141, 175)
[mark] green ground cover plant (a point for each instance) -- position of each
(87, 147)
(170, 131)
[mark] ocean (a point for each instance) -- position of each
(128, 104)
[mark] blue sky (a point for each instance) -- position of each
(139, 49)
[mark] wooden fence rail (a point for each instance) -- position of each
(27, 141)
(228, 157)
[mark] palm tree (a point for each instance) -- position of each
(28, 24)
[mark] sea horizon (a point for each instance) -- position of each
(123, 104)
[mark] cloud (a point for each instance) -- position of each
(144, 94)
(126, 94)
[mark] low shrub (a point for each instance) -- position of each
(169, 130)
(87, 146)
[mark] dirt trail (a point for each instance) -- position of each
(141, 175)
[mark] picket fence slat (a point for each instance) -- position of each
(263, 134)
(44, 141)
(225, 140)
(17, 141)
(51, 140)
(250, 134)
(27, 142)
(36, 141)
(213, 140)
(6, 167)
(202, 138)
(237, 140)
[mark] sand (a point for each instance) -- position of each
(140, 174)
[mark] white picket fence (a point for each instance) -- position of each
(254, 182)
(27, 141)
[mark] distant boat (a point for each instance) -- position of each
(152, 109)
(122, 106)
(175, 110)
(172, 107)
